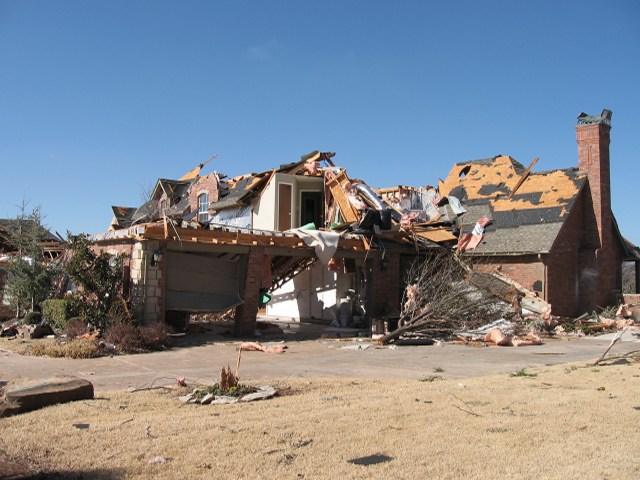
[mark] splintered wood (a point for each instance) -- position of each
(337, 187)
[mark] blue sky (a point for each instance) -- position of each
(99, 99)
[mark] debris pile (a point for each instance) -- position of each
(445, 299)
(444, 296)
(608, 320)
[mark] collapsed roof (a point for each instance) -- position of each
(51, 244)
(233, 192)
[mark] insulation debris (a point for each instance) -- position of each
(258, 347)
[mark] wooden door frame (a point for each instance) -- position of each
(291, 185)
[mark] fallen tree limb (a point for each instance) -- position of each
(389, 337)
(468, 410)
(614, 340)
(635, 354)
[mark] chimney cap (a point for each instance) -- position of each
(604, 118)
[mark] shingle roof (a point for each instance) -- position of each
(519, 240)
(11, 225)
(240, 189)
(123, 216)
(525, 221)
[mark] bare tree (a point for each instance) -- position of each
(444, 295)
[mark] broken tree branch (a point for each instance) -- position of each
(614, 340)
(468, 410)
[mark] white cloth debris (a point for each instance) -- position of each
(325, 243)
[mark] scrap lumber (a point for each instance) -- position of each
(336, 185)
(195, 172)
(436, 235)
(222, 237)
(523, 178)
(529, 300)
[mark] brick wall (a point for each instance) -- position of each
(207, 184)
(527, 270)
(386, 283)
(568, 268)
(593, 159)
(632, 298)
(603, 263)
(145, 281)
(570, 282)
(246, 314)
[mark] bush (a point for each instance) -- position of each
(59, 311)
(78, 348)
(33, 318)
(155, 336)
(75, 327)
(125, 337)
(98, 278)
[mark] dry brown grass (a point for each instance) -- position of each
(567, 422)
(76, 348)
(19, 345)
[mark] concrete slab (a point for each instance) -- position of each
(201, 361)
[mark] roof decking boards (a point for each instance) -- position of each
(527, 221)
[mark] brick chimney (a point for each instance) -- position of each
(592, 134)
(593, 137)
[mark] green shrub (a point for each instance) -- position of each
(98, 278)
(33, 318)
(59, 311)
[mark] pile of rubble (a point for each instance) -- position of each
(18, 329)
(447, 300)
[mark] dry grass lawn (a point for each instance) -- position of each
(568, 422)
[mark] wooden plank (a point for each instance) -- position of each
(523, 178)
(438, 235)
(156, 232)
(336, 185)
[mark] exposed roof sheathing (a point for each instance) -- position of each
(240, 190)
(525, 221)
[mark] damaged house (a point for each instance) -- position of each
(304, 240)
(553, 232)
(276, 238)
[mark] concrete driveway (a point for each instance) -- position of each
(204, 356)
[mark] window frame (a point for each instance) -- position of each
(203, 215)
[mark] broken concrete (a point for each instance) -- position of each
(264, 392)
(224, 400)
(38, 394)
